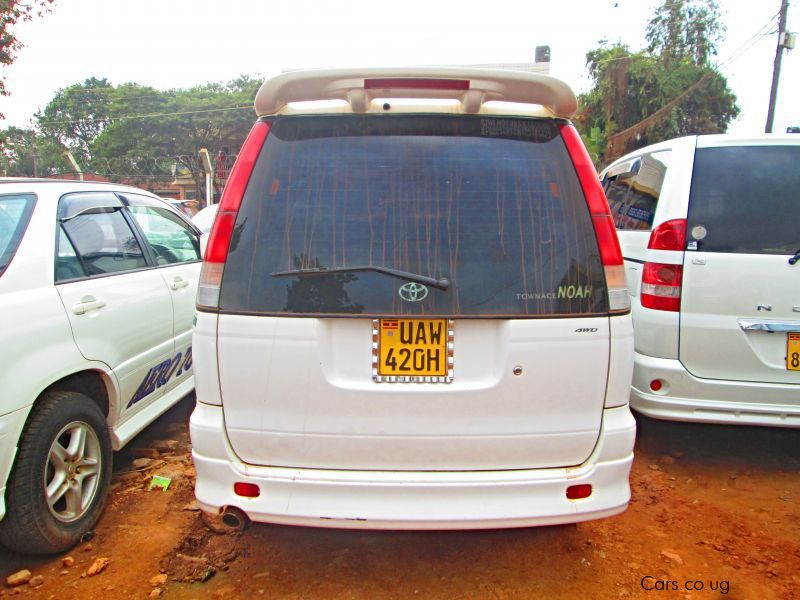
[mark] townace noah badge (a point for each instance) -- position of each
(382, 339)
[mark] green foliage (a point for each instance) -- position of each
(173, 125)
(593, 142)
(11, 13)
(628, 87)
(129, 130)
(26, 153)
(77, 115)
(685, 29)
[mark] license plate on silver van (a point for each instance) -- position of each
(412, 350)
(793, 351)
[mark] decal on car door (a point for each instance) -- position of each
(161, 374)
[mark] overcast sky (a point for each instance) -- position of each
(180, 43)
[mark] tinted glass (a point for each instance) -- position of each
(104, 243)
(633, 196)
(493, 204)
(68, 265)
(15, 212)
(170, 238)
(746, 200)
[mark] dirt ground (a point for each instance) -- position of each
(714, 514)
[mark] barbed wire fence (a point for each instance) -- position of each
(161, 166)
(163, 171)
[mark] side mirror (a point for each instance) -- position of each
(203, 244)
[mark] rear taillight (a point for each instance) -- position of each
(661, 286)
(661, 282)
(220, 237)
(604, 229)
(670, 235)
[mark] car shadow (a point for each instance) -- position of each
(708, 445)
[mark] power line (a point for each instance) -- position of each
(735, 55)
(145, 116)
(626, 134)
(748, 43)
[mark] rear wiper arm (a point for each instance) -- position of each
(795, 258)
(442, 283)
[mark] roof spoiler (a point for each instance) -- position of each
(471, 86)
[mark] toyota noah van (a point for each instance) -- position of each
(412, 311)
(708, 227)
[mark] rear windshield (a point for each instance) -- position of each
(746, 200)
(492, 204)
(15, 212)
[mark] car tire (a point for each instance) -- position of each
(58, 485)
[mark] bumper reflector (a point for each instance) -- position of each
(247, 490)
(576, 492)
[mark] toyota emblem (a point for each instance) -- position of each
(413, 292)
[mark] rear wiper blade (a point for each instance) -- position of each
(442, 283)
(795, 258)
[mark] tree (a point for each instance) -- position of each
(11, 13)
(152, 131)
(131, 132)
(667, 90)
(78, 114)
(685, 29)
(26, 153)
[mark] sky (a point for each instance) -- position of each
(181, 43)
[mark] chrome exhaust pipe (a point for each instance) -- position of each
(234, 518)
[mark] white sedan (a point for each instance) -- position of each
(204, 218)
(97, 294)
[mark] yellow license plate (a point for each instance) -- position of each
(793, 351)
(412, 350)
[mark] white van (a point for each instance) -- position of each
(708, 228)
(412, 310)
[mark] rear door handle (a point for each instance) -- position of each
(178, 283)
(86, 304)
(771, 326)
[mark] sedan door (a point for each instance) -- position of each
(175, 246)
(119, 309)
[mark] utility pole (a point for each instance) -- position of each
(74, 164)
(35, 160)
(776, 71)
(205, 161)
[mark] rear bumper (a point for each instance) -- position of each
(414, 500)
(685, 397)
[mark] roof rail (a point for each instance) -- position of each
(471, 86)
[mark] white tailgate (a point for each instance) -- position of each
(299, 392)
(721, 294)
